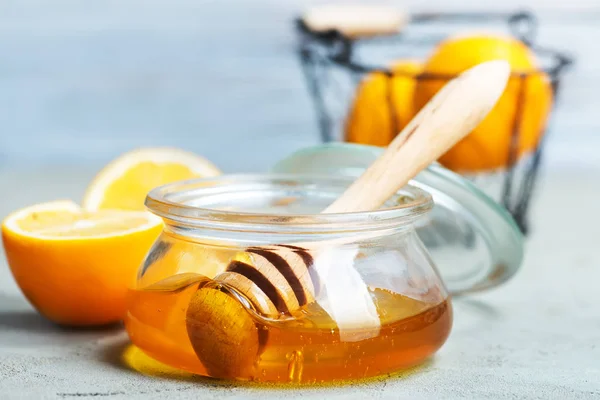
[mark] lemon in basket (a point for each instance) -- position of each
(382, 105)
(525, 104)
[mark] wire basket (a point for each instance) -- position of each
(333, 66)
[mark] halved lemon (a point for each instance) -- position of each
(75, 266)
(125, 182)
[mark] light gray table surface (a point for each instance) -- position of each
(79, 84)
(536, 337)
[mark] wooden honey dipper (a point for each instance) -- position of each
(278, 279)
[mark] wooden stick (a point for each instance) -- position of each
(356, 21)
(281, 278)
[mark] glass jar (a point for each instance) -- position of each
(278, 292)
(249, 282)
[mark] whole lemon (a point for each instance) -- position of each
(370, 118)
(488, 146)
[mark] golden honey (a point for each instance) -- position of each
(304, 349)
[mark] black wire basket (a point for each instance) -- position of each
(334, 66)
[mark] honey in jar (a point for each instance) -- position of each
(306, 348)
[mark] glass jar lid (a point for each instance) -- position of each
(474, 241)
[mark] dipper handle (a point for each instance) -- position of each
(448, 117)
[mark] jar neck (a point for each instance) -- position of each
(280, 208)
(229, 237)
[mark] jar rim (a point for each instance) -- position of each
(170, 202)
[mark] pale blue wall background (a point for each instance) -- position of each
(82, 81)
